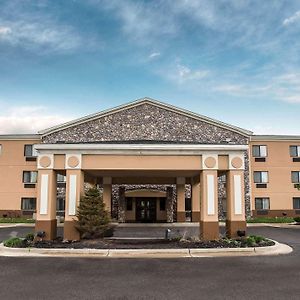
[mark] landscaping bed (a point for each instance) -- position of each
(250, 241)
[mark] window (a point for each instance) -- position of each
(162, 204)
(29, 153)
(29, 177)
(262, 203)
(28, 203)
(295, 151)
(188, 204)
(295, 177)
(259, 151)
(60, 204)
(296, 203)
(261, 177)
(0, 149)
(61, 178)
(128, 203)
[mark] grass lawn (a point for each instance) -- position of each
(271, 220)
(16, 220)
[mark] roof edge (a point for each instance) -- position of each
(277, 137)
(20, 136)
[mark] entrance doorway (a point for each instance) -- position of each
(146, 210)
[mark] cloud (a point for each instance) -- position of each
(28, 119)
(4, 31)
(154, 55)
(185, 73)
(294, 18)
(37, 35)
(38, 29)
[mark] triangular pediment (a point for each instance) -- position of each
(145, 120)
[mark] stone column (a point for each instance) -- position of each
(46, 203)
(107, 191)
(235, 220)
(196, 199)
(169, 206)
(209, 225)
(74, 190)
(180, 187)
(121, 205)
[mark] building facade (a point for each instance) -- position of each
(154, 163)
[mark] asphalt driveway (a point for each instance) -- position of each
(271, 277)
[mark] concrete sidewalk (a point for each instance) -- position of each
(277, 249)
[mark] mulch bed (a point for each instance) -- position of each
(145, 244)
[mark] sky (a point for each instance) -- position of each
(235, 61)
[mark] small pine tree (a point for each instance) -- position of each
(92, 218)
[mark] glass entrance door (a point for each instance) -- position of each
(146, 210)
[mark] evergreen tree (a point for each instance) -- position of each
(93, 220)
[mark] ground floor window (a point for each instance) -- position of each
(28, 203)
(60, 204)
(162, 204)
(262, 203)
(296, 202)
(128, 203)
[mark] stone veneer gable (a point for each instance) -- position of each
(145, 122)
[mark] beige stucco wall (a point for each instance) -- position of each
(279, 164)
(12, 165)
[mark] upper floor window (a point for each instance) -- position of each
(295, 177)
(295, 151)
(261, 177)
(30, 177)
(29, 153)
(0, 149)
(262, 203)
(28, 203)
(259, 151)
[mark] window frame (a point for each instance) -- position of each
(262, 199)
(297, 151)
(28, 209)
(261, 177)
(294, 201)
(259, 151)
(298, 175)
(30, 181)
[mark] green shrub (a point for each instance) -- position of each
(15, 242)
(271, 220)
(92, 217)
(29, 237)
(250, 241)
(16, 220)
(297, 219)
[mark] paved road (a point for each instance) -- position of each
(192, 278)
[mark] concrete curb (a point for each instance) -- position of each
(277, 249)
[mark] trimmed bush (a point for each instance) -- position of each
(271, 220)
(15, 242)
(297, 219)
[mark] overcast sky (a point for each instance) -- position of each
(236, 61)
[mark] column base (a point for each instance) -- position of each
(209, 230)
(181, 216)
(70, 232)
(195, 216)
(232, 227)
(49, 226)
